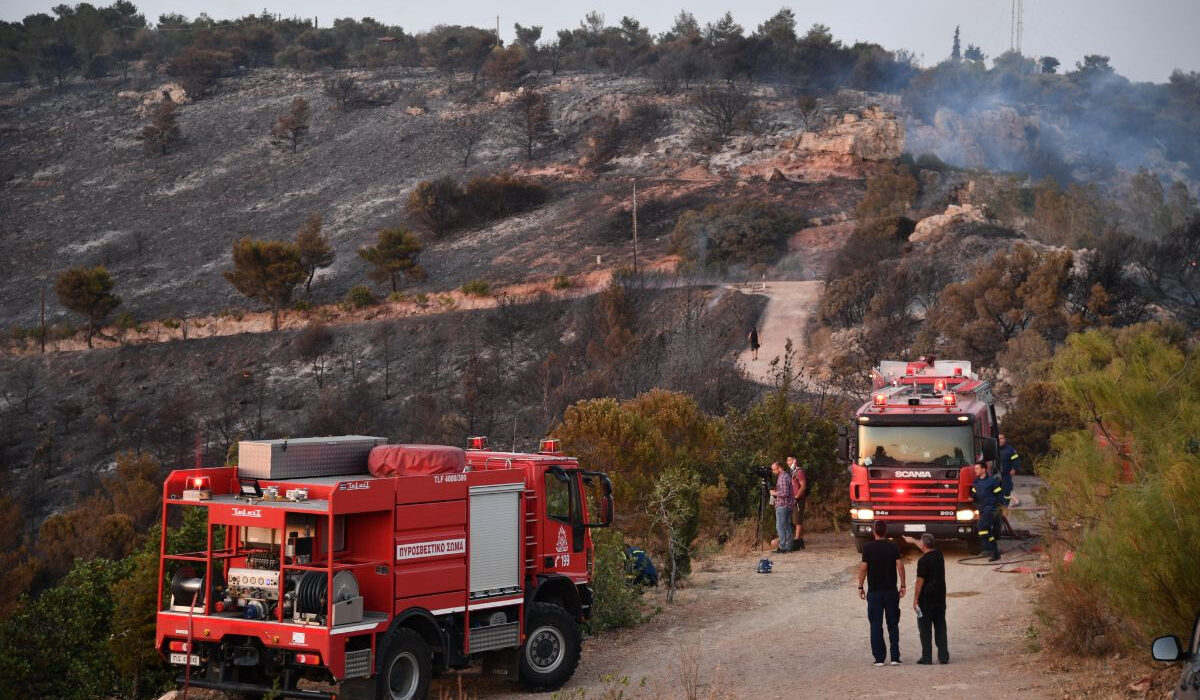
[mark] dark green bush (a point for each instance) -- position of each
(617, 604)
(360, 296)
(740, 233)
(476, 288)
(443, 205)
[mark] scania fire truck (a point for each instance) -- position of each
(913, 448)
(371, 566)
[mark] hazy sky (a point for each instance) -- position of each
(1146, 39)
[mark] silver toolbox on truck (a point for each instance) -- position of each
(303, 457)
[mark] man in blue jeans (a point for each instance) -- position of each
(881, 567)
(784, 502)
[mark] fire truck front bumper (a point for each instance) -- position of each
(943, 530)
(252, 689)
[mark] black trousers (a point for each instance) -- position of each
(932, 623)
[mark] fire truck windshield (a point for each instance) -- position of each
(887, 445)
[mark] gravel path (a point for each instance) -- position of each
(801, 632)
(790, 306)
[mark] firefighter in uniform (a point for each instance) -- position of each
(988, 496)
(1009, 462)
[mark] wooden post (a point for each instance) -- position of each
(42, 329)
(635, 237)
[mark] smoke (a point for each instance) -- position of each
(1082, 126)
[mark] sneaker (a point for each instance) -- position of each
(925, 662)
(779, 550)
(943, 661)
(897, 662)
(799, 544)
(878, 664)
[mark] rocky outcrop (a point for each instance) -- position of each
(148, 100)
(871, 135)
(955, 217)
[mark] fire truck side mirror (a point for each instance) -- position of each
(988, 446)
(843, 443)
(601, 499)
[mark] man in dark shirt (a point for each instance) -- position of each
(881, 567)
(929, 600)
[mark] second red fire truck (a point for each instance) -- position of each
(372, 566)
(913, 448)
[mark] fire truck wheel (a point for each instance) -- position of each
(974, 545)
(407, 667)
(551, 650)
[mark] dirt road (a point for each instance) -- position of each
(790, 306)
(801, 632)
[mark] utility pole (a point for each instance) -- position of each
(42, 329)
(635, 240)
(498, 43)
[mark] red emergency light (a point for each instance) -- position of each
(880, 399)
(479, 442)
(198, 488)
(949, 400)
(939, 385)
(548, 446)
(200, 483)
(958, 371)
(910, 370)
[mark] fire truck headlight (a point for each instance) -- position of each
(865, 514)
(967, 514)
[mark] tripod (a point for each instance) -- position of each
(762, 506)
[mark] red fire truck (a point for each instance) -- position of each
(913, 449)
(347, 560)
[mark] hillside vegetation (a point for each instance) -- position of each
(259, 227)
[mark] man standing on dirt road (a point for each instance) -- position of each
(929, 600)
(881, 567)
(800, 493)
(781, 496)
(988, 496)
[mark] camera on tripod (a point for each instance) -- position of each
(764, 473)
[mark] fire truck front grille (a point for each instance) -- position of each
(495, 637)
(912, 491)
(358, 663)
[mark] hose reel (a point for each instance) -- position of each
(312, 597)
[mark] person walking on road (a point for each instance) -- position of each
(881, 567)
(988, 496)
(800, 493)
(754, 344)
(784, 502)
(929, 600)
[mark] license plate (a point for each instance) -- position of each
(182, 659)
(914, 528)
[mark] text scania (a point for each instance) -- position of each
(419, 550)
(914, 475)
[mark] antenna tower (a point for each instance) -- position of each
(1017, 28)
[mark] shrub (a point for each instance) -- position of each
(745, 233)
(443, 205)
(303, 305)
(476, 288)
(360, 297)
(1127, 483)
(617, 604)
(612, 137)
(561, 282)
(171, 323)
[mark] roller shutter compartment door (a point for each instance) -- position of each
(495, 549)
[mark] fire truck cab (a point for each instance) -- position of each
(913, 447)
(349, 561)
